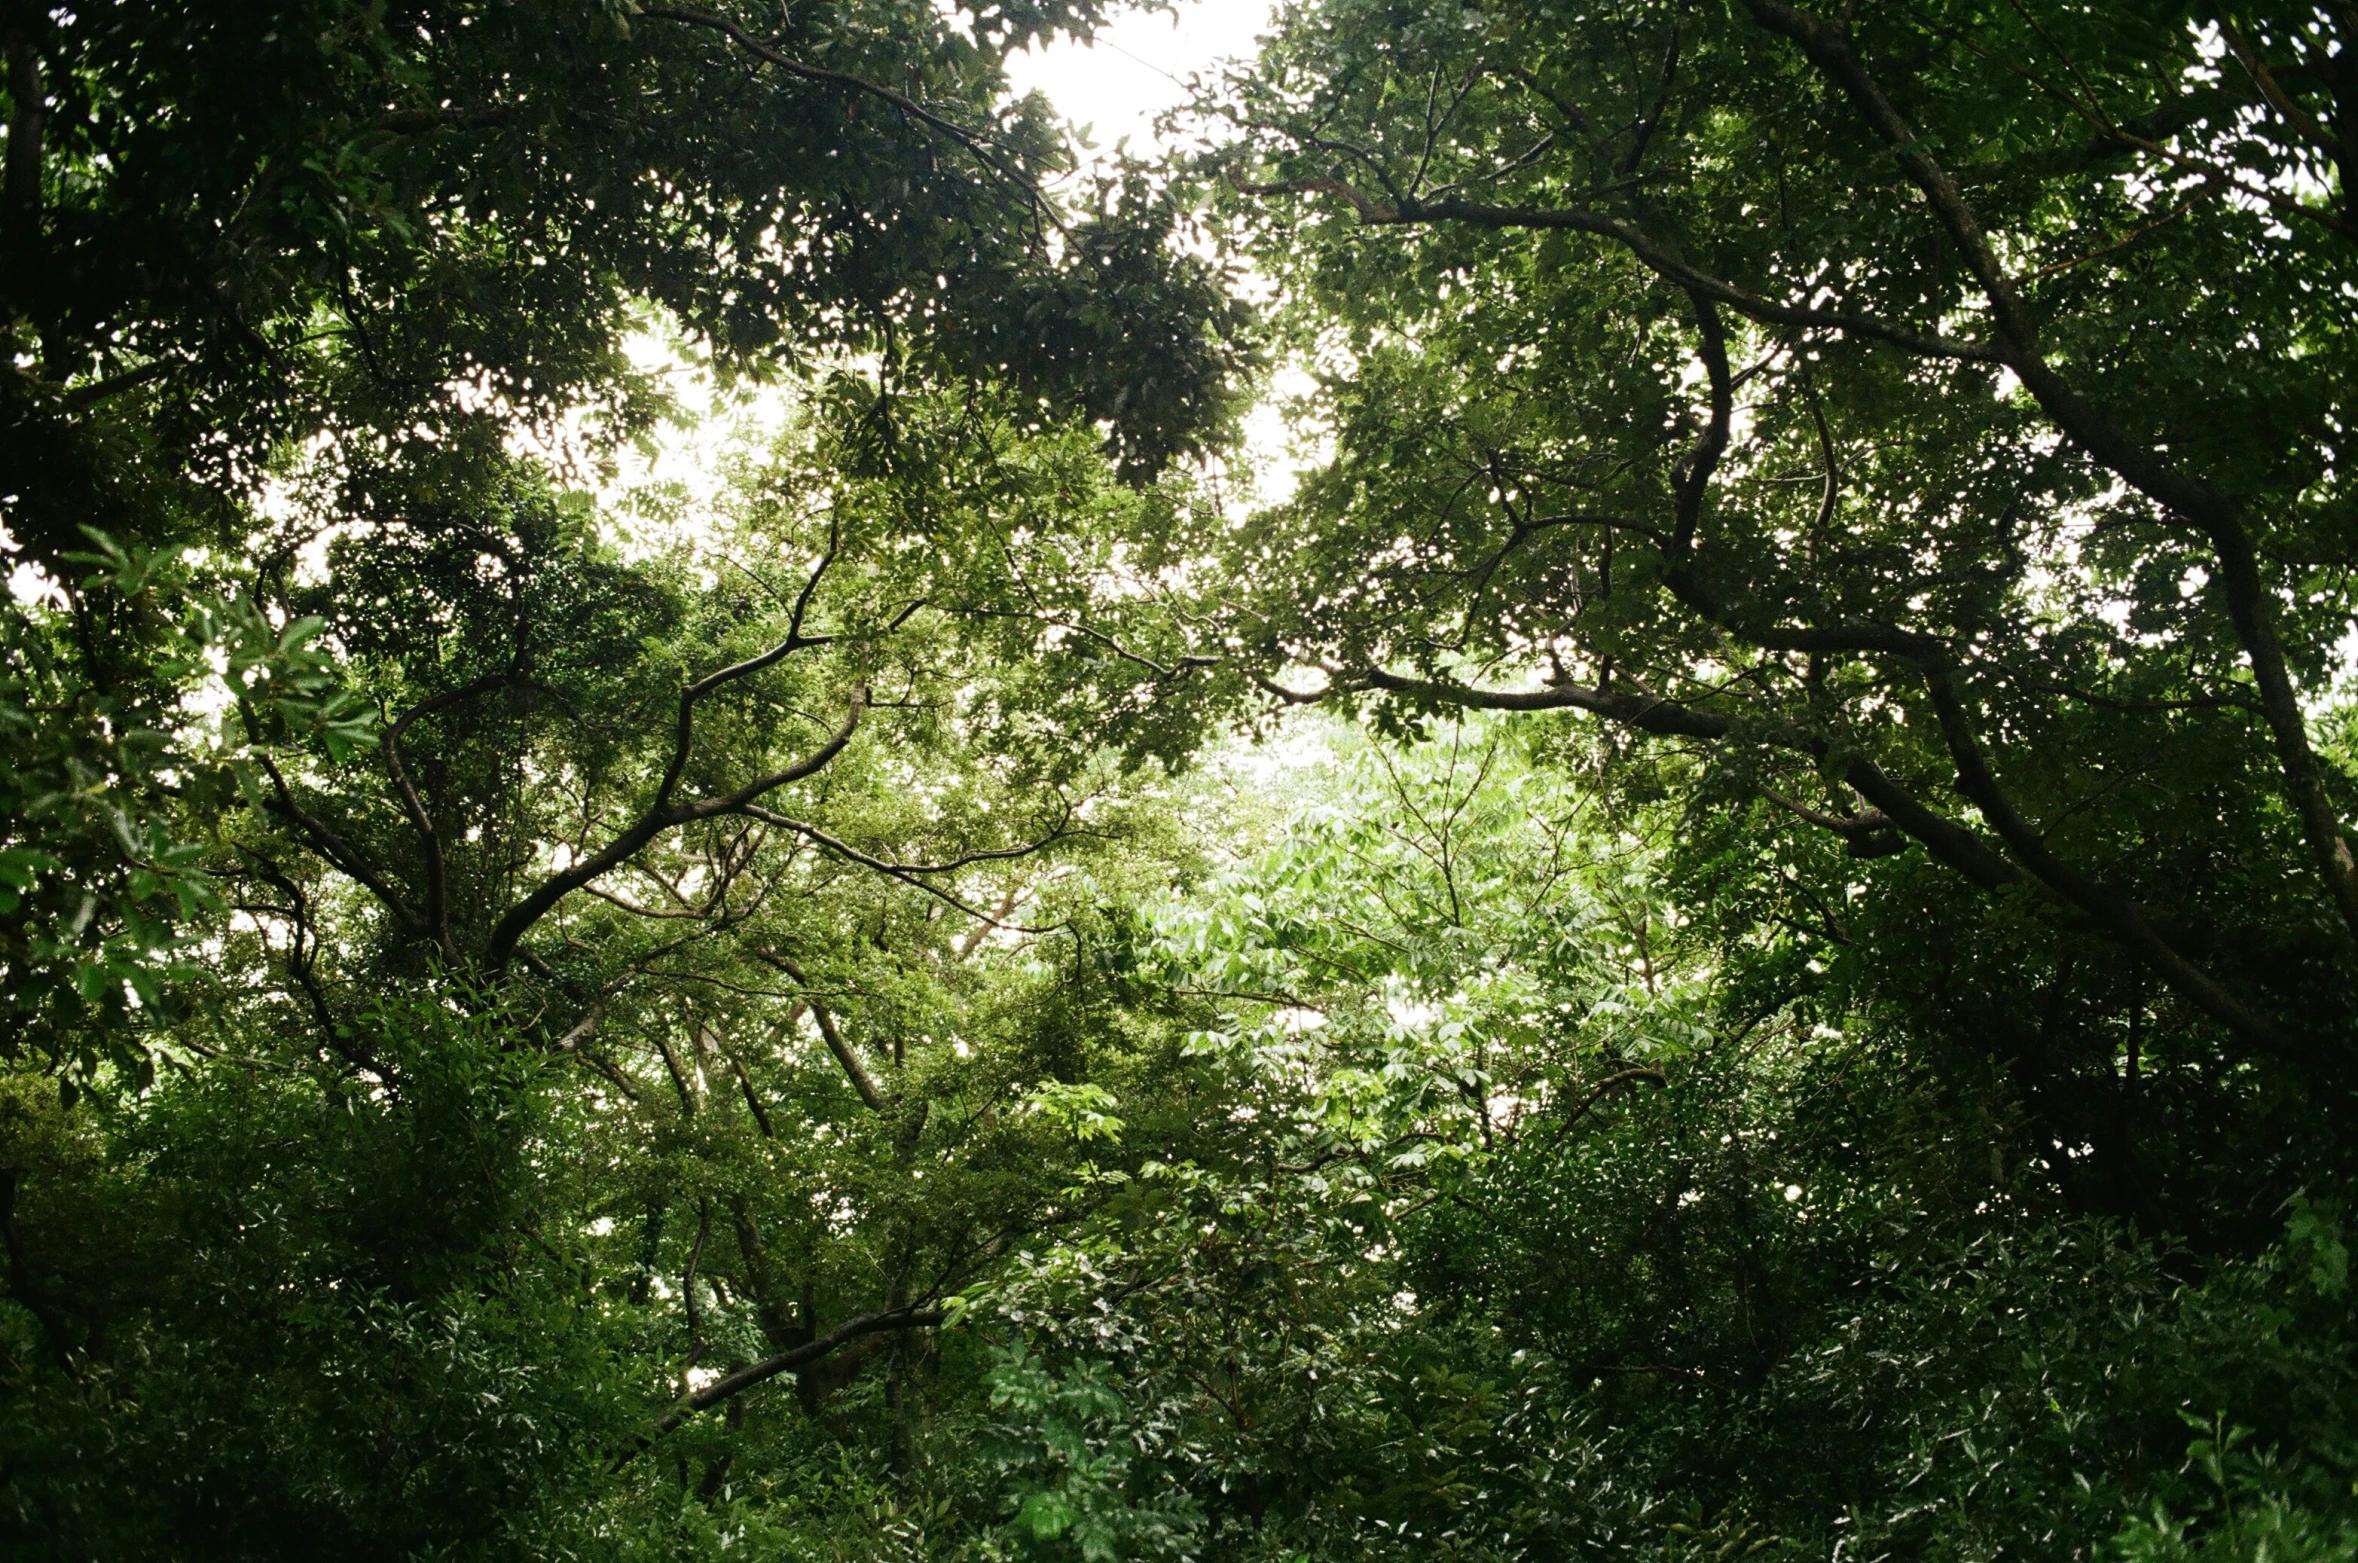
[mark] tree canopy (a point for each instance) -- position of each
(1727, 930)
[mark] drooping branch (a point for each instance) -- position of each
(753, 1101)
(2108, 907)
(1647, 712)
(1943, 837)
(2015, 346)
(1894, 806)
(1060, 831)
(1649, 251)
(578, 1035)
(2304, 124)
(1947, 840)
(2150, 136)
(1160, 669)
(302, 968)
(1869, 833)
(917, 875)
(974, 143)
(1691, 484)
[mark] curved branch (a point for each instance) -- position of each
(341, 853)
(1056, 833)
(977, 145)
(1623, 1077)
(1856, 828)
(2134, 461)
(661, 816)
(1649, 252)
(2108, 907)
(732, 1384)
(1161, 670)
(913, 874)
(1644, 711)
(1945, 839)
(1692, 482)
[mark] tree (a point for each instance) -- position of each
(275, 274)
(1786, 1002)
(1924, 420)
(354, 756)
(1514, 1243)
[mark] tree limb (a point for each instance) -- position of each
(974, 143)
(662, 815)
(20, 183)
(2136, 463)
(2110, 908)
(915, 875)
(1650, 253)
(341, 853)
(753, 1373)
(437, 871)
(1596, 1094)
(862, 1082)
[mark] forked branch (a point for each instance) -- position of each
(662, 814)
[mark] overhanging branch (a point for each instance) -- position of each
(1648, 251)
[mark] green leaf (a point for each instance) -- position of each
(1047, 1514)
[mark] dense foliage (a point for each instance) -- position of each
(1729, 934)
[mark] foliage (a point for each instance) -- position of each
(1917, 421)
(95, 887)
(1725, 940)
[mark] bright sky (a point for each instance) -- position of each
(1138, 66)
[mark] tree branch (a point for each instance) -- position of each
(1649, 252)
(753, 1373)
(20, 184)
(2110, 909)
(1595, 1095)
(976, 145)
(1947, 840)
(342, 854)
(1860, 829)
(437, 871)
(1692, 482)
(862, 1082)
(912, 874)
(2135, 462)
(662, 815)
